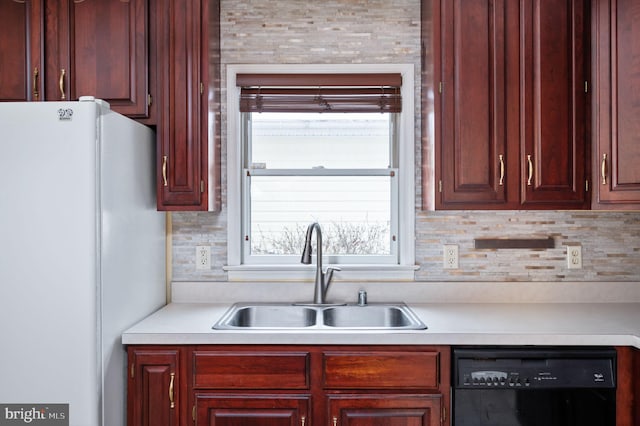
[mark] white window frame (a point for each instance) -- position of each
(404, 269)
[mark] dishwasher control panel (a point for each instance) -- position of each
(535, 369)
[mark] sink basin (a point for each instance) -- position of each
(256, 316)
(267, 316)
(372, 316)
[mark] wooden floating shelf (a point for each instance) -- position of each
(514, 243)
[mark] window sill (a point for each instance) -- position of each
(351, 273)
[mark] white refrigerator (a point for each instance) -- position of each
(82, 257)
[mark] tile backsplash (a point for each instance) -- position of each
(382, 31)
(610, 244)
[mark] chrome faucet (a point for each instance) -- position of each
(323, 279)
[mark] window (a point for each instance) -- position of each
(327, 153)
(336, 169)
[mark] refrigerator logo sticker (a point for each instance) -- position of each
(598, 377)
(34, 414)
(65, 114)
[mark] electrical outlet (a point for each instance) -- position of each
(450, 257)
(203, 257)
(574, 257)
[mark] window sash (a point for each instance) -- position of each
(248, 150)
(320, 172)
(254, 259)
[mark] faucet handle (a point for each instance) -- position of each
(329, 274)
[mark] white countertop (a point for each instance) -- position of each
(448, 324)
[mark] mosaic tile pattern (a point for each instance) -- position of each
(383, 31)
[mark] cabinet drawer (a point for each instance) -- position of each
(380, 370)
(254, 370)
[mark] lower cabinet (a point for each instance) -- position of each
(636, 385)
(275, 385)
(628, 386)
(396, 410)
(248, 409)
(153, 381)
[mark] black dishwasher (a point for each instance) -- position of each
(533, 386)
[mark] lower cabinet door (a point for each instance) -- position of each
(387, 410)
(153, 387)
(252, 410)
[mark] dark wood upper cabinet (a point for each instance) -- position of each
(21, 52)
(510, 109)
(99, 49)
(554, 154)
(616, 106)
(472, 112)
(155, 61)
(182, 63)
(59, 50)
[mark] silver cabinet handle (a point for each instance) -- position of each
(530, 162)
(501, 159)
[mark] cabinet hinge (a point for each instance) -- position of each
(201, 88)
(586, 185)
(440, 186)
(149, 99)
(201, 186)
(133, 369)
(193, 413)
(586, 87)
(440, 87)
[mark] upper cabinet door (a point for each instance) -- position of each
(99, 48)
(616, 109)
(511, 126)
(474, 157)
(182, 133)
(21, 50)
(553, 104)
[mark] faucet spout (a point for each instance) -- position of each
(322, 280)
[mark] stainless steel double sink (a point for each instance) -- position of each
(377, 316)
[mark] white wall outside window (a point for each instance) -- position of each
(400, 269)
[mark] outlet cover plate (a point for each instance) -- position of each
(450, 256)
(203, 257)
(574, 257)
